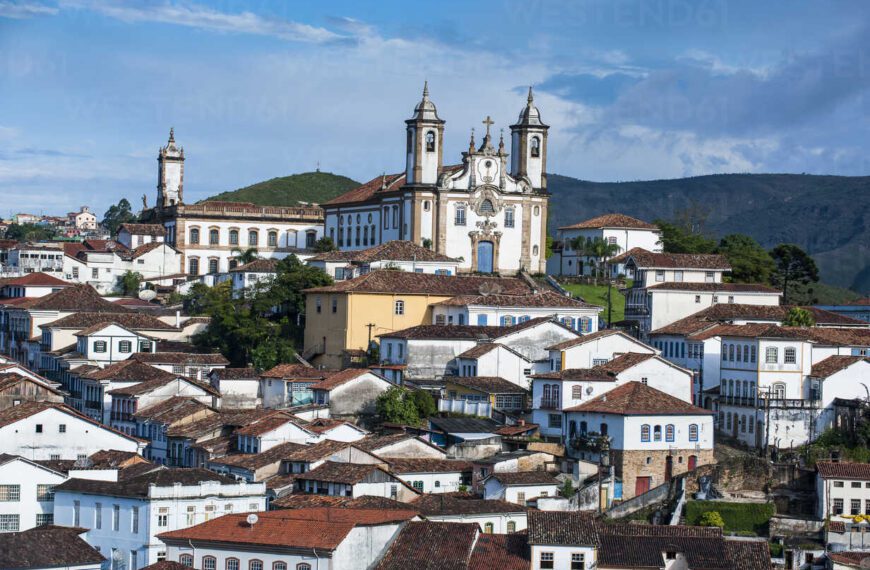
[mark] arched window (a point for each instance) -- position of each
(272, 239)
(209, 563)
(535, 147)
(724, 352)
(366, 235)
(213, 237)
(728, 421)
(279, 566)
(745, 353)
(400, 308)
(186, 560)
(488, 528)
(357, 235)
(459, 217)
(731, 353)
(743, 424)
(669, 432)
(790, 355)
(751, 424)
(194, 238)
(430, 141)
(657, 433)
(372, 235)
(771, 355)
(577, 392)
(555, 391)
(255, 564)
(212, 265)
(644, 432)
(779, 390)
(486, 208)
(303, 566)
(693, 432)
(386, 217)
(437, 484)
(536, 210)
(739, 353)
(193, 266)
(752, 353)
(234, 237)
(511, 526)
(253, 237)
(395, 217)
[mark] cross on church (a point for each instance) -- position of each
(488, 122)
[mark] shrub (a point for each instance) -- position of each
(711, 518)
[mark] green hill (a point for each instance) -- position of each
(317, 187)
(828, 216)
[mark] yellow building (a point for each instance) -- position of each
(342, 319)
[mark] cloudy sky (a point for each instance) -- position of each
(258, 89)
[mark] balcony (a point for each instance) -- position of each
(748, 401)
(122, 417)
(549, 404)
(93, 404)
(793, 403)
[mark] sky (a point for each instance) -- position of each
(633, 90)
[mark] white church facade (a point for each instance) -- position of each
(489, 211)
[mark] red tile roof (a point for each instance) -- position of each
(523, 478)
(290, 371)
(47, 547)
(258, 266)
(268, 423)
(297, 501)
(427, 465)
(341, 378)
(143, 229)
(371, 189)
(333, 472)
(37, 280)
(386, 281)
(429, 545)
(27, 409)
(501, 552)
(715, 287)
(838, 470)
(537, 300)
(394, 250)
(573, 528)
(833, 364)
(645, 259)
(620, 221)
(637, 399)
(487, 384)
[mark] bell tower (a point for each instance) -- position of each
(170, 173)
(529, 146)
(425, 137)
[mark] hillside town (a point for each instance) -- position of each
(411, 375)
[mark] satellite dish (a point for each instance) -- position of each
(147, 295)
(252, 519)
(588, 389)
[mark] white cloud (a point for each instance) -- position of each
(22, 10)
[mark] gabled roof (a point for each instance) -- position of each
(645, 259)
(429, 545)
(143, 229)
(86, 321)
(290, 371)
(151, 385)
(541, 299)
(318, 451)
(842, 470)
(139, 485)
(428, 465)
(458, 504)
(715, 287)
(268, 423)
(583, 339)
(475, 332)
(8, 380)
(833, 364)
(365, 192)
(373, 443)
(394, 250)
(257, 266)
(570, 528)
(171, 410)
(129, 370)
(615, 221)
(524, 478)
(501, 552)
(627, 361)
(30, 408)
(343, 377)
(75, 298)
(255, 461)
(387, 281)
(637, 399)
(465, 425)
(187, 358)
(47, 547)
(235, 374)
(334, 472)
(487, 384)
(36, 280)
(297, 501)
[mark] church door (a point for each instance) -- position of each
(484, 256)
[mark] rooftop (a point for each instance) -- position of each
(616, 221)
(143, 229)
(637, 399)
(257, 266)
(47, 547)
(833, 364)
(487, 384)
(427, 465)
(523, 478)
(462, 504)
(333, 472)
(138, 486)
(386, 281)
(257, 460)
(394, 250)
(428, 545)
(838, 470)
(188, 358)
(288, 371)
(572, 528)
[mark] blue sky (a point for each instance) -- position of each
(632, 90)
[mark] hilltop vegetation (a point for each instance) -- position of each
(311, 187)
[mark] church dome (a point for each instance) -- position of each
(530, 114)
(425, 109)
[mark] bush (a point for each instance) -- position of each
(737, 517)
(711, 518)
(775, 550)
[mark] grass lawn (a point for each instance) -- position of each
(597, 295)
(739, 517)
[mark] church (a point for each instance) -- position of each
(489, 211)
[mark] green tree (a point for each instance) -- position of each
(120, 213)
(30, 232)
(598, 249)
(395, 406)
(243, 256)
(285, 292)
(324, 245)
(567, 490)
(794, 273)
(712, 518)
(750, 263)
(548, 247)
(424, 402)
(679, 239)
(798, 317)
(129, 283)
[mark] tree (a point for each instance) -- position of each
(120, 213)
(750, 263)
(567, 490)
(712, 518)
(245, 256)
(548, 247)
(395, 406)
(794, 272)
(798, 317)
(678, 239)
(29, 232)
(598, 249)
(324, 244)
(427, 243)
(424, 402)
(129, 283)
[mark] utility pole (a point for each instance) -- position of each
(370, 326)
(609, 304)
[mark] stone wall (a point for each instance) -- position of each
(630, 465)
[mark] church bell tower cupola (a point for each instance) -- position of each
(170, 173)
(425, 136)
(529, 146)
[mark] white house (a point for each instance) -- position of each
(493, 359)
(125, 516)
(27, 490)
(563, 540)
(194, 365)
(248, 276)
(351, 392)
(128, 400)
(288, 385)
(620, 230)
(843, 490)
(238, 387)
(132, 236)
(354, 480)
(499, 517)
(395, 254)
(520, 486)
(400, 445)
(47, 430)
(31, 286)
(595, 349)
(432, 475)
(91, 387)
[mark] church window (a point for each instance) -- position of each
(357, 235)
(486, 208)
(366, 235)
(537, 210)
(459, 219)
(194, 236)
(212, 265)
(509, 218)
(193, 266)
(426, 205)
(253, 237)
(535, 250)
(535, 147)
(395, 217)
(273, 239)
(430, 141)
(386, 218)
(234, 237)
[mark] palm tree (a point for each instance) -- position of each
(245, 256)
(598, 249)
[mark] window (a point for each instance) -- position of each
(678, 275)
(856, 484)
(739, 354)
(335, 305)
(255, 565)
(697, 298)
(731, 353)
(751, 424)
(186, 560)
(752, 354)
(554, 420)
(657, 433)
(232, 564)
(459, 218)
(535, 151)
(303, 566)
(134, 520)
(838, 507)
(134, 560)
(193, 266)
(481, 320)
(253, 238)
(578, 561)
(399, 308)
(669, 432)
(10, 493)
(418, 485)
(838, 483)
(213, 237)
(317, 304)
(430, 141)
(644, 432)
(116, 517)
(44, 493)
(44, 519)
(98, 515)
(790, 355)
(194, 236)
(125, 346)
(488, 528)
(213, 266)
(693, 432)
(709, 276)
(77, 513)
(585, 325)
(577, 392)
(272, 239)
(9, 523)
(660, 275)
(507, 321)
(279, 566)
(771, 355)
(100, 346)
(546, 560)
(234, 237)
(509, 217)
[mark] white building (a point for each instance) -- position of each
(354, 480)
(493, 517)
(351, 392)
(238, 387)
(595, 349)
(620, 230)
(843, 491)
(102, 263)
(125, 516)
(47, 430)
(395, 254)
(31, 285)
(247, 277)
(488, 212)
(84, 219)
(563, 540)
(26, 493)
(132, 236)
(520, 486)
(432, 475)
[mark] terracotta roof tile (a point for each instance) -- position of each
(143, 229)
(456, 504)
(487, 384)
(625, 361)
(139, 486)
(586, 338)
(268, 423)
(235, 374)
(620, 221)
(645, 259)
(380, 185)
(257, 460)
(501, 552)
(715, 287)
(186, 358)
(27, 409)
(585, 374)
(428, 465)
(171, 410)
(541, 299)
(290, 371)
(76, 298)
(467, 331)
(386, 281)
(637, 399)
(573, 528)
(429, 545)
(127, 371)
(341, 378)
(85, 321)
(480, 350)
(333, 472)
(258, 266)
(297, 501)
(47, 547)
(833, 364)
(394, 250)
(853, 559)
(521, 478)
(37, 280)
(838, 470)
